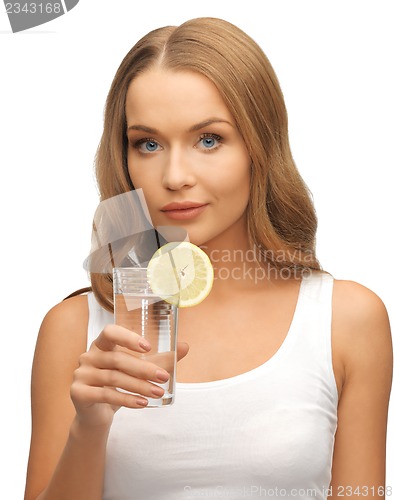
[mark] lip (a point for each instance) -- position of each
(183, 210)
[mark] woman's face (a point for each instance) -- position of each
(187, 155)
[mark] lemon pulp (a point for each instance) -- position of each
(180, 273)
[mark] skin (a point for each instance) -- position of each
(209, 164)
(69, 434)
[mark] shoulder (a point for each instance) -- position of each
(360, 329)
(65, 325)
(357, 307)
(72, 312)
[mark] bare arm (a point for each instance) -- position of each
(74, 401)
(61, 340)
(361, 336)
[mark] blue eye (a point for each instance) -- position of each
(210, 141)
(150, 146)
(146, 146)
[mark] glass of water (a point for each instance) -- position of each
(137, 308)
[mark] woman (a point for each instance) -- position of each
(285, 373)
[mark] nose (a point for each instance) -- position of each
(178, 172)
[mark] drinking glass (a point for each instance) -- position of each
(137, 308)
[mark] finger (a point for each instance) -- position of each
(121, 361)
(95, 395)
(115, 335)
(164, 360)
(119, 380)
(182, 350)
(167, 359)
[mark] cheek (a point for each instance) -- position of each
(132, 175)
(235, 182)
(140, 178)
(137, 173)
(135, 180)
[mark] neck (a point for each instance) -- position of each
(235, 260)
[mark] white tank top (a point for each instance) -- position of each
(268, 432)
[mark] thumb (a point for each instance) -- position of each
(182, 350)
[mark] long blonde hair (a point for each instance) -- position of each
(281, 218)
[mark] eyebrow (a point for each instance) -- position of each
(208, 122)
(194, 128)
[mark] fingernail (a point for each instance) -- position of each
(144, 344)
(162, 375)
(157, 391)
(141, 402)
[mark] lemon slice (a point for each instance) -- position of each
(180, 273)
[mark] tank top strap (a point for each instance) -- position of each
(98, 318)
(312, 342)
(318, 288)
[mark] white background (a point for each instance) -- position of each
(334, 61)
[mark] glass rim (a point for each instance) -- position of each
(128, 269)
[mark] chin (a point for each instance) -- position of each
(202, 240)
(197, 236)
(197, 239)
